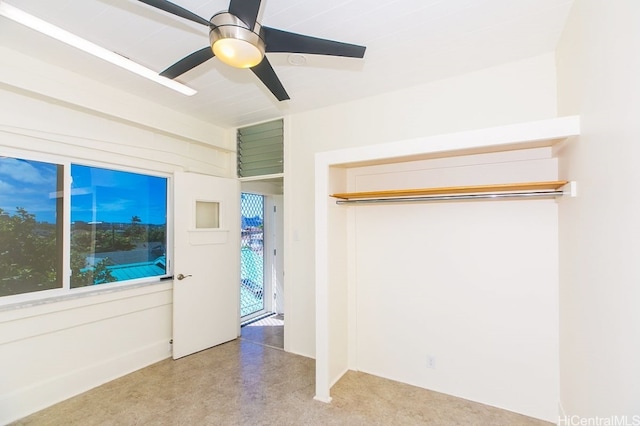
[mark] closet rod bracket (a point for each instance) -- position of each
(571, 189)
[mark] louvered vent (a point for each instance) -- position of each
(260, 149)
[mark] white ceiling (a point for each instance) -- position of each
(409, 42)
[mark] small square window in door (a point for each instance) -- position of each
(207, 215)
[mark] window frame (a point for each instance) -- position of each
(66, 292)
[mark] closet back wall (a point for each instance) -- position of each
(471, 285)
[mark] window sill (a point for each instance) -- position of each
(80, 297)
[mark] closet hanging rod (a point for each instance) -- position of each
(428, 198)
(454, 190)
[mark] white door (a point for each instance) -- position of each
(206, 268)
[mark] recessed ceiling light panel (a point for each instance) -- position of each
(73, 40)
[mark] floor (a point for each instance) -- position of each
(267, 331)
(246, 383)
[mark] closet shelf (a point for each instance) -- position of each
(524, 189)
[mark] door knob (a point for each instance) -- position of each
(182, 276)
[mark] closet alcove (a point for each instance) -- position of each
(454, 295)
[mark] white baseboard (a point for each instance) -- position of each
(28, 400)
(338, 377)
(561, 413)
(325, 399)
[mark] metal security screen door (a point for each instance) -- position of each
(252, 276)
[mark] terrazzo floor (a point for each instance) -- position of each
(247, 383)
(267, 331)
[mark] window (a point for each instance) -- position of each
(117, 230)
(30, 226)
(207, 214)
(118, 226)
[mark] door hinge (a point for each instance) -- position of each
(274, 252)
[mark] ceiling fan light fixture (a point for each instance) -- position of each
(233, 43)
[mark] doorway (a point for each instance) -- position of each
(261, 253)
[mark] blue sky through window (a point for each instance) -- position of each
(118, 195)
(30, 185)
(109, 196)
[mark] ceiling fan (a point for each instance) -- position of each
(239, 40)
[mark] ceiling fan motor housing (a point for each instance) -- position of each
(234, 43)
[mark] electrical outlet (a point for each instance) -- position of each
(431, 361)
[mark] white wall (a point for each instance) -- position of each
(472, 284)
(262, 187)
(27, 75)
(512, 93)
(598, 69)
(338, 292)
(54, 350)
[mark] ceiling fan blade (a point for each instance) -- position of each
(188, 62)
(283, 41)
(246, 11)
(167, 6)
(268, 76)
